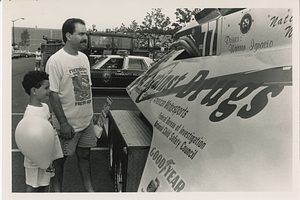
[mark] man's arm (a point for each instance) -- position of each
(66, 130)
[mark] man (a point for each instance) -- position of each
(71, 100)
(38, 59)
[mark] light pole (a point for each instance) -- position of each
(13, 30)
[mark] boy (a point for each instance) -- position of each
(36, 85)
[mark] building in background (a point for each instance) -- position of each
(36, 36)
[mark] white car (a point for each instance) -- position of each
(117, 71)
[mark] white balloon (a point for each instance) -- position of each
(34, 137)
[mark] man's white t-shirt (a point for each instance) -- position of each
(69, 76)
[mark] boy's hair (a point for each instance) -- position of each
(69, 27)
(34, 79)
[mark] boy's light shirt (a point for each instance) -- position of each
(35, 111)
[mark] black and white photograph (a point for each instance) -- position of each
(124, 99)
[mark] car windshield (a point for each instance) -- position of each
(101, 41)
(122, 43)
(109, 63)
(110, 42)
(136, 64)
(99, 61)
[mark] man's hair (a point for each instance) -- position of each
(34, 79)
(69, 27)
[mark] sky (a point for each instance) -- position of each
(103, 14)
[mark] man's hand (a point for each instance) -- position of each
(66, 131)
(95, 119)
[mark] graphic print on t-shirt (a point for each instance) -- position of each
(81, 85)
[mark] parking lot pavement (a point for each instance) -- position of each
(72, 181)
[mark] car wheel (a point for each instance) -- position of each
(119, 176)
(110, 155)
(119, 166)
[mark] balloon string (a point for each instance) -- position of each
(49, 185)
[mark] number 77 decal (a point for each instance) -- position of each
(208, 37)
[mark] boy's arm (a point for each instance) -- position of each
(66, 130)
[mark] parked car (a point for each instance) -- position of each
(117, 71)
(15, 55)
(29, 54)
(20, 52)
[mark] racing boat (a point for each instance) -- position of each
(220, 104)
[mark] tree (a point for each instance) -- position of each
(154, 25)
(155, 22)
(121, 29)
(25, 38)
(156, 30)
(133, 27)
(184, 16)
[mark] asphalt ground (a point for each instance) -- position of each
(72, 182)
(101, 180)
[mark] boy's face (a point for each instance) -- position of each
(43, 92)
